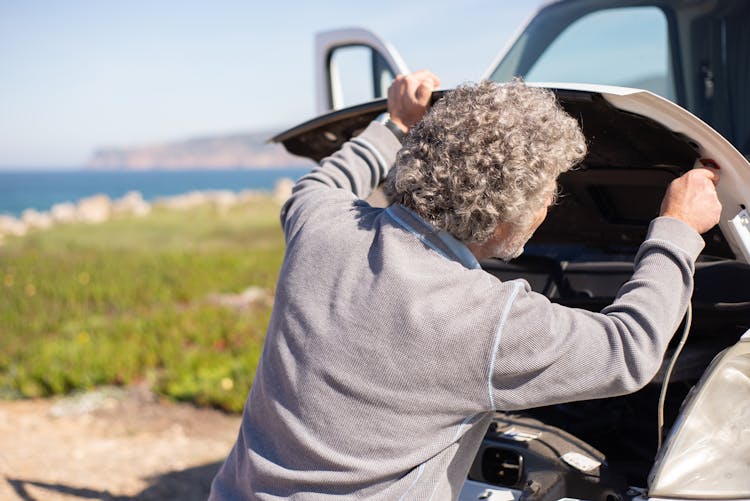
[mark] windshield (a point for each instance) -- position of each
(696, 55)
(626, 47)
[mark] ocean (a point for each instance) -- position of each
(20, 190)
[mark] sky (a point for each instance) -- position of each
(82, 74)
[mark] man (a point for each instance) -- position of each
(389, 348)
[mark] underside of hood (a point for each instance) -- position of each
(606, 203)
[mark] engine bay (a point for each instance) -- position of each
(614, 438)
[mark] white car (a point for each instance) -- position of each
(690, 55)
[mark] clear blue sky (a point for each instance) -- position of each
(81, 74)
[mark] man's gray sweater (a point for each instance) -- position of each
(388, 349)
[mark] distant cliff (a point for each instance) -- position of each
(236, 150)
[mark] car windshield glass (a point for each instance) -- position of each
(697, 55)
(627, 47)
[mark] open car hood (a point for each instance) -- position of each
(638, 142)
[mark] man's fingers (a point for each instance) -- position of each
(710, 173)
(692, 198)
(416, 80)
(409, 97)
(427, 75)
(424, 91)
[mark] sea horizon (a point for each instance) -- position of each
(40, 189)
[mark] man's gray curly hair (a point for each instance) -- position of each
(485, 154)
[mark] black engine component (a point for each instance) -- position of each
(543, 462)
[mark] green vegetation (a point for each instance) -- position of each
(129, 301)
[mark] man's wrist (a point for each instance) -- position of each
(678, 232)
(385, 119)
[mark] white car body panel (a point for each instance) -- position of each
(474, 491)
(325, 76)
(678, 499)
(712, 429)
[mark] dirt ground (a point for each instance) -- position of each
(110, 444)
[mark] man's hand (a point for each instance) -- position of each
(692, 199)
(409, 97)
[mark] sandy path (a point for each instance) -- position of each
(110, 444)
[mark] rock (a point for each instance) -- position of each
(223, 199)
(37, 220)
(283, 189)
(104, 397)
(12, 226)
(250, 296)
(96, 209)
(131, 204)
(64, 213)
(99, 208)
(245, 196)
(182, 202)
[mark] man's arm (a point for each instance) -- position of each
(547, 353)
(362, 163)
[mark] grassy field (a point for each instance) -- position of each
(130, 301)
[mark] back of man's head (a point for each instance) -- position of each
(484, 155)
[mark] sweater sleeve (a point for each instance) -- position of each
(354, 171)
(546, 353)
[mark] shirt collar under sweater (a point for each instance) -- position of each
(441, 241)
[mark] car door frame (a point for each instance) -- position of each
(328, 92)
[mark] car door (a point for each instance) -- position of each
(353, 65)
